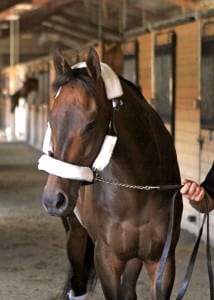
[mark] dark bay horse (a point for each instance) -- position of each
(115, 227)
(29, 85)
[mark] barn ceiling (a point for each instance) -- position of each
(70, 24)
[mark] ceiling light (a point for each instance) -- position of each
(12, 17)
(23, 6)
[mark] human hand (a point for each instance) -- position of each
(192, 190)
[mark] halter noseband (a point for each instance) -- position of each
(70, 171)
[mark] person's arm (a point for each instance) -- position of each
(196, 193)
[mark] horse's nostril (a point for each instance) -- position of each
(61, 201)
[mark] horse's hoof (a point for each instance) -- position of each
(72, 297)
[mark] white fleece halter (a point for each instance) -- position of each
(71, 171)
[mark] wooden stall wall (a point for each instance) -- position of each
(145, 65)
(4, 87)
(113, 56)
(187, 112)
(14, 78)
(131, 61)
(164, 77)
(187, 93)
(29, 121)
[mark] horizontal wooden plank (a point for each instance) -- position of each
(187, 42)
(186, 136)
(184, 30)
(190, 93)
(185, 103)
(189, 167)
(144, 54)
(147, 93)
(185, 125)
(190, 115)
(187, 77)
(145, 73)
(162, 38)
(145, 39)
(191, 147)
(183, 60)
(129, 48)
(189, 82)
(187, 69)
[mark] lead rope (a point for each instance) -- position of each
(193, 256)
(191, 264)
(166, 249)
(137, 187)
(164, 256)
(209, 258)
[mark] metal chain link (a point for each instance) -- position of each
(137, 187)
(130, 186)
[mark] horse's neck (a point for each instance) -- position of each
(143, 141)
(132, 117)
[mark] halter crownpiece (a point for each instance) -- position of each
(111, 80)
(71, 171)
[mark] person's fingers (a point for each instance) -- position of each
(200, 195)
(192, 190)
(184, 190)
(185, 180)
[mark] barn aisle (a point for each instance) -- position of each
(33, 263)
(32, 255)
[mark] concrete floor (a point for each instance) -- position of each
(33, 262)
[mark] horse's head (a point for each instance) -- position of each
(79, 121)
(29, 85)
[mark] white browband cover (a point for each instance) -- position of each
(71, 171)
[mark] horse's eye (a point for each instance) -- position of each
(90, 126)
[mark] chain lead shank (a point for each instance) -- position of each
(137, 187)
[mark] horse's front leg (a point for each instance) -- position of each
(167, 280)
(109, 269)
(130, 277)
(80, 254)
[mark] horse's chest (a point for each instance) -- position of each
(123, 238)
(131, 240)
(132, 236)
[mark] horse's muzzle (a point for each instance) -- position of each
(56, 205)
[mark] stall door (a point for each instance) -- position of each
(130, 61)
(164, 78)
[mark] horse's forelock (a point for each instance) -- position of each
(76, 76)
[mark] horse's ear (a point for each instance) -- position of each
(93, 64)
(60, 63)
